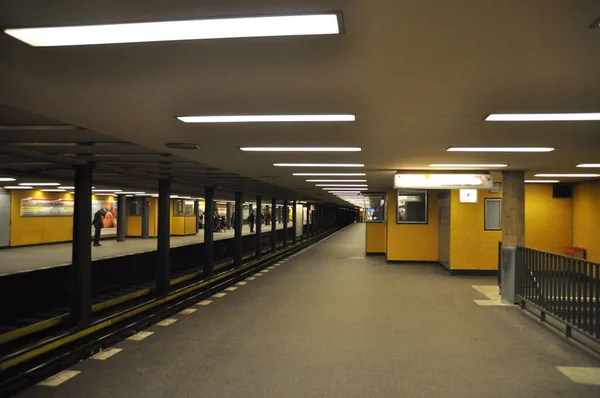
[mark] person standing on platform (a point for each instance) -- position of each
(251, 221)
(232, 220)
(98, 224)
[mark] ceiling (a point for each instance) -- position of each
(420, 77)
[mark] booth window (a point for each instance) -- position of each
(412, 207)
(183, 208)
(134, 206)
(493, 214)
(374, 205)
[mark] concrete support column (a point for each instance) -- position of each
(237, 234)
(258, 222)
(294, 215)
(121, 217)
(164, 236)
(273, 225)
(308, 219)
(146, 217)
(513, 229)
(228, 215)
(81, 310)
(209, 226)
(196, 213)
(285, 215)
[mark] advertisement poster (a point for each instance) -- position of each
(46, 207)
(110, 216)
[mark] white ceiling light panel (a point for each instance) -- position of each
(199, 29)
(543, 117)
(500, 149)
(318, 165)
(266, 118)
(329, 174)
(301, 149)
(568, 175)
(467, 165)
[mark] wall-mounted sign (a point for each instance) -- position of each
(468, 196)
(443, 181)
(46, 207)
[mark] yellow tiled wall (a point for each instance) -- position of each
(586, 218)
(375, 236)
(134, 225)
(548, 221)
(412, 242)
(471, 246)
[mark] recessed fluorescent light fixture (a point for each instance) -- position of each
(198, 29)
(500, 149)
(568, 175)
(336, 180)
(54, 190)
(130, 193)
(329, 174)
(18, 187)
(40, 184)
(474, 165)
(543, 117)
(266, 118)
(541, 181)
(61, 187)
(592, 165)
(341, 185)
(107, 190)
(318, 165)
(7, 179)
(330, 190)
(300, 149)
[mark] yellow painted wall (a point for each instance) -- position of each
(586, 218)
(548, 221)
(471, 246)
(134, 226)
(375, 237)
(412, 242)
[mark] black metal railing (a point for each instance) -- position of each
(567, 288)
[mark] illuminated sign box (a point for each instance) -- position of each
(443, 181)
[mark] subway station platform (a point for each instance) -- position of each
(29, 258)
(330, 322)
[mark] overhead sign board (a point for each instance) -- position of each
(443, 181)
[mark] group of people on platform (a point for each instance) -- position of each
(220, 222)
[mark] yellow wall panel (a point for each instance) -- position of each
(412, 242)
(471, 246)
(586, 218)
(134, 226)
(375, 237)
(548, 221)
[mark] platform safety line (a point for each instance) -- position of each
(109, 322)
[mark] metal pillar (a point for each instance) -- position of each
(258, 225)
(308, 220)
(81, 311)
(121, 218)
(513, 230)
(294, 215)
(196, 213)
(273, 225)
(164, 237)
(146, 217)
(209, 226)
(228, 214)
(237, 237)
(286, 215)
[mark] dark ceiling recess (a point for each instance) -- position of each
(181, 145)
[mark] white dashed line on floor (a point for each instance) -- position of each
(231, 289)
(205, 302)
(219, 295)
(258, 274)
(250, 278)
(167, 322)
(140, 336)
(188, 311)
(59, 378)
(265, 270)
(241, 283)
(581, 375)
(271, 267)
(491, 303)
(105, 354)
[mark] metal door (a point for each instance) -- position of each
(444, 228)
(4, 218)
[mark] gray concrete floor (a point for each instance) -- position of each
(332, 323)
(28, 258)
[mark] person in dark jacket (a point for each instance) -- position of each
(251, 218)
(98, 224)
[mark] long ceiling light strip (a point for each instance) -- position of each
(467, 165)
(267, 118)
(301, 149)
(40, 184)
(336, 180)
(199, 29)
(318, 165)
(341, 185)
(500, 149)
(589, 165)
(543, 117)
(567, 175)
(541, 181)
